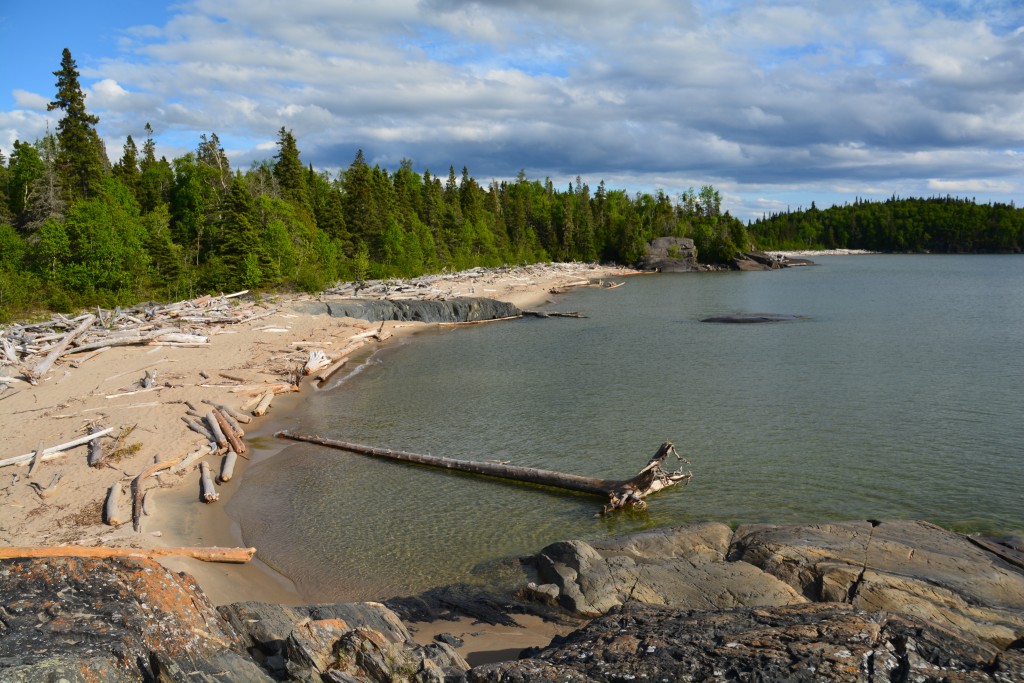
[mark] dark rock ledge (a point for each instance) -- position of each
(852, 601)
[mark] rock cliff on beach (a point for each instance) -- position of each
(455, 310)
(851, 601)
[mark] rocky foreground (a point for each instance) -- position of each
(854, 601)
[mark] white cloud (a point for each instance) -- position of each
(650, 93)
(30, 100)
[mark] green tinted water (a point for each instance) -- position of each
(899, 395)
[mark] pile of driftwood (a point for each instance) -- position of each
(442, 286)
(29, 351)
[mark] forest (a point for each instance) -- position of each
(77, 230)
(947, 225)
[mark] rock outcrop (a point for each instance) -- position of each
(852, 601)
(454, 310)
(806, 642)
(670, 255)
(74, 619)
(79, 619)
(910, 568)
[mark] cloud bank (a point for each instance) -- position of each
(774, 103)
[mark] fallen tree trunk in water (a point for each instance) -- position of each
(629, 493)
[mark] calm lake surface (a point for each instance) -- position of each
(899, 395)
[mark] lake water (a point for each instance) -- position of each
(899, 395)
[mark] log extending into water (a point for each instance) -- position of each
(622, 493)
(214, 554)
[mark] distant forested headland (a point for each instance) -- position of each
(77, 230)
(936, 225)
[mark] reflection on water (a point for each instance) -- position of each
(899, 395)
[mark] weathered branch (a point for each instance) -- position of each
(54, 451)
(37, 373)
(213, 554)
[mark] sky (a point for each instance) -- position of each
(776, 104)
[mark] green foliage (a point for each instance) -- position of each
(74, 231)
(81, 158)
(937, 224)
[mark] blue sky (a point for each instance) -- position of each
(776, 104)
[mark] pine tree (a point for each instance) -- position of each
(240, 248)
(156, 178)
(289, 172)
(81, 158)
(127, 169)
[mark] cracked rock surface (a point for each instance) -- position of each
(910, 568)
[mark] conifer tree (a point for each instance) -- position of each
(156, 178)
(80, 156)
(289, 172)
(127, 169)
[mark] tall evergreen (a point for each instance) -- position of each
(289, 172)
(80, 157)
(127, 168)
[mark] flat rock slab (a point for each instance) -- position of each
(911, 568)
(747, 318)
(807, 642)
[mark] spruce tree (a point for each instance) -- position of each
(80, 157)
(127, 169)
(289, 172)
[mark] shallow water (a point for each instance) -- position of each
(899, 394)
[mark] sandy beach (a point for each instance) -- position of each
(239, 361)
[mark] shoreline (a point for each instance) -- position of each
(105, 390)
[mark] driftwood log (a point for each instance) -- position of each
(112, 509)
(234, 442)
(207, 491)
(54, 451)
(214, 554)
(629, 493)
(227, 466)
(264, 404)
(137, 492)
(215, 430)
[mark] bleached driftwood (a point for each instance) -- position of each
(227, 465)
(45, 492)
(622, 494)
(137, 493)
(112, 511)
(213, 554)
(198, 427)
(37, 373)
(96, 452)
(54, 451)
(191, 458)
(229, 411)
(264, 405)
(317, 359)
(207, 491)
(215, 430)
(235, 443)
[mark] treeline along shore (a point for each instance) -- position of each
(78, 230)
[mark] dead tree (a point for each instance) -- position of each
(629, 493)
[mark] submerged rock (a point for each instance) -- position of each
(753, 318)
